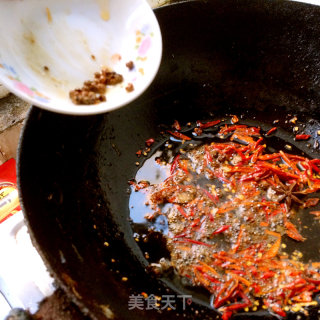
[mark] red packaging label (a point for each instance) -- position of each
(9, 197)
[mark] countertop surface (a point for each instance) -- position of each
(12, 113)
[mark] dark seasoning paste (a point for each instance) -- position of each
(227, 206)
(94, 91)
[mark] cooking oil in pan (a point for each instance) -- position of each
(154, 231)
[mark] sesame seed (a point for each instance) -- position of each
(288, 147)
(296, 308)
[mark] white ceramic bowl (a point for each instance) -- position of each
(48, 48)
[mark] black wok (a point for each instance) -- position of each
(258, 59)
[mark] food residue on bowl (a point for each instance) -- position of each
(49, 15)
(130, 65)
(104, 9)
(94, 91)
(129, 87)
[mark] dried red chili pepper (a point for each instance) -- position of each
(243, 157)
(221, 229)
(207, 124)
(273, 251)
(195, 223)
(311, 202)
(278, 310)
(184, 166)
(314, 167)
(314, 161)
(227, 129)
(292, 232)
(225, 292)
(219, 175)
(197, 131)
(208, 155)
(234, 119)
(256, 288)
(213, 198)
(176, 125)
(257, 175)
(195, 242)
(273, 156)
(255, 156)
(181, 235)
(174, 164)
(294, 284)
(315, 281)
(181, 210)
(257, 143)
(179, 135)
(316, 213)
(268, 274)
(149, 142)
(289, 162)
(272, 130)
(275, 169)
(302, 136)
(239, 239)
(226, 315)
